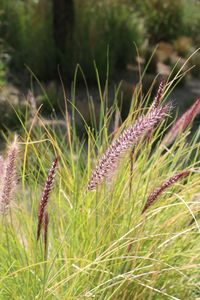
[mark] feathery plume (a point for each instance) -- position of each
(156, 103)
(182, 123)
(45, 196)
(9, 181)
(159, 94)
(154, 195)
(109, 161)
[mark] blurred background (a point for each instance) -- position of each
(42, 41)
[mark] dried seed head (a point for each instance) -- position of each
(109, 161)
(9, 181)
(182, 123)
(154, 195)
(45, 195)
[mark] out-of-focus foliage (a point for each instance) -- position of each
(2, 72)
(2, 61)
(191, 20)
(27, 28)
(163, 19)
(101, 25)
(167, 20)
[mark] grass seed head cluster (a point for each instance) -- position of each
(100, 244)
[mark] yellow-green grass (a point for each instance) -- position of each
(100, 246)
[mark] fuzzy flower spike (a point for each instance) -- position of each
(156, 193)
(42, 210)
(182, 123)
(159, 95)
(131, 136)
(8, 182)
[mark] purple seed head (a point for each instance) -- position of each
(131, 136)
(182, 123)
(45, 196)
(159, 94)
(154, 195)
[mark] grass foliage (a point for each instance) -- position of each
(168, 20)
(99, 244)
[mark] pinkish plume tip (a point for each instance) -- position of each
(154, 195)
(182, 123)
(109, 161)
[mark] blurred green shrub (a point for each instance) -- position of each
(191, 20)
(163, 19)
(28, 30)
(3, 67)
(102, 24)
(2, 73)
(2, 61)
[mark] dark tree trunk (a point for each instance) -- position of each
(63, 20)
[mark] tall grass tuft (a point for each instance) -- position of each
(99, 244)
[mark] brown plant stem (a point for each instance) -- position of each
(46, 223)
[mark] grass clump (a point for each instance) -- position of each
(100, 245)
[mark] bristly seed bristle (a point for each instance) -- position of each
(154, 195)
(109, 161)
